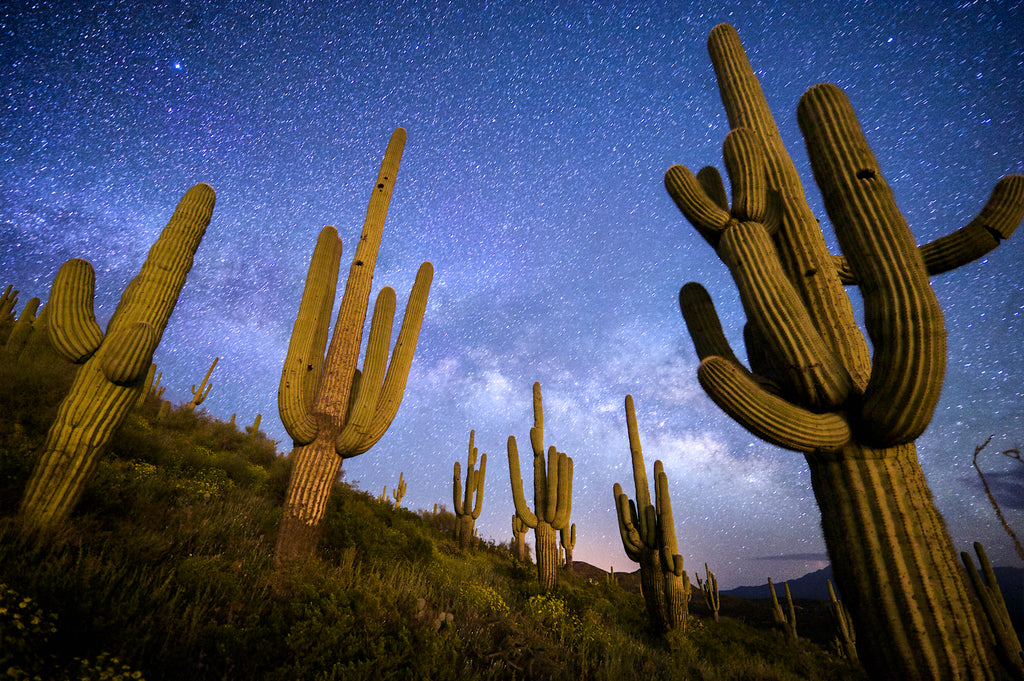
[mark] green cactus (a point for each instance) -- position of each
(567, 538)
(466, 509)
(199, 394)
(987, 589)
(147, 385)
(785, 619)
(552, 494)
(8, 299)
(20, 332)
(519, 529)
(649, 538)
(709, 589)
(399, 490)
(813, 386)
(332, 410)
(254, 429)
(107, 386)
(845, 642)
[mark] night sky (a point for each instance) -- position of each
(538, 137)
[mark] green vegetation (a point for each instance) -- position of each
(166, 571)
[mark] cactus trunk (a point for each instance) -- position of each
(889, 547)
(547, 555)
(314, 469)
(466, 529)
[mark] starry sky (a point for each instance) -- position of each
(538, 136)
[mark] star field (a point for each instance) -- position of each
(532, 179)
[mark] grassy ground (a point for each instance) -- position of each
(165, 571)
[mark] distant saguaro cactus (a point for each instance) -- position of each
(649, 537)
(709, 588)
(785, 619)
(109, 383)
(331, 410)
(813, 386)
(399, 490)
(552, 494)
(199, 394)
(468, 505)
(567, 537)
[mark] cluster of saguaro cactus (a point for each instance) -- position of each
(116, 363)
(986, 587)
(785, 619)
(709, 589)
(552, 494)
(845, 642)
(813, 386)
(519, 530)
(649, 537)
(469, 503)
(199, 394)
(399, 491)
(332, 410)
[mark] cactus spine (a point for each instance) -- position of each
(649, 537)
(331, 410)
(812, 386)
(199, 394)
(552, 494)
(466, 509)
(399, 490)
(108, 385)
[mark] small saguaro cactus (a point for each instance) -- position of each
(845, 642)
(468, 504)
(709, 588)
(994, 606)
(332, 410)
(519, 529)
(786, 619)
(8, 299)
(567, 537)
(199, 394)
(552, 494)
(20, 332)
(108, 385)
(649, 538)
(813, 384)
(254, 429)
(399, 491)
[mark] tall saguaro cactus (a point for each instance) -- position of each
(552, 494)
(813, 386)
(332, 410)
(649, 537)
(468, 505)
(109, 383)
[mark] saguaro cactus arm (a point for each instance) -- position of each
(305, 358)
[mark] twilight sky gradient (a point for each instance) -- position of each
(532, 179)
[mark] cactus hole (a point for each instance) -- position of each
(380, 186)
(358, 263)
(865, 174)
